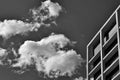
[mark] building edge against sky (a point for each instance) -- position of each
(103, 51)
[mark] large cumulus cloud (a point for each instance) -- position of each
(48, 57)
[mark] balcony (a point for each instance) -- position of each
(111, 52)
(116, 77)
(99, 77)
(97, 49)
(110, 34)
(95, 73)
(94, 61)
(109, 45)
(112, 74)
(109, 29)
(94, 47)
(112, 70)
(110, 57)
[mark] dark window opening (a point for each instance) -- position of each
(96, 61)
(112, 73)
(110, 46)
(97, 74)
(110, 61)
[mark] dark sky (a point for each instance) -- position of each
(83, 18)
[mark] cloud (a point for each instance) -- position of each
(48, 10)
(80, 78)
(10, 28)
(46, 48)
(48, 57)
(64, 62)
(3, 54)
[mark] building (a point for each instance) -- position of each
(103, 51)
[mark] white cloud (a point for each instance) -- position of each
(91, 78)
(47, 56)
(80, 78)
(65, 62)
(3, 54)
(48, 10)
(10, 28)
(46, 48)
(54, 8)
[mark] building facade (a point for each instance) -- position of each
(103, 51)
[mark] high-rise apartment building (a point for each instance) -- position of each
(103, 51)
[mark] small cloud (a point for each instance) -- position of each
(9, 28)
(47, 11)
(80, 78)
(3, 55)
